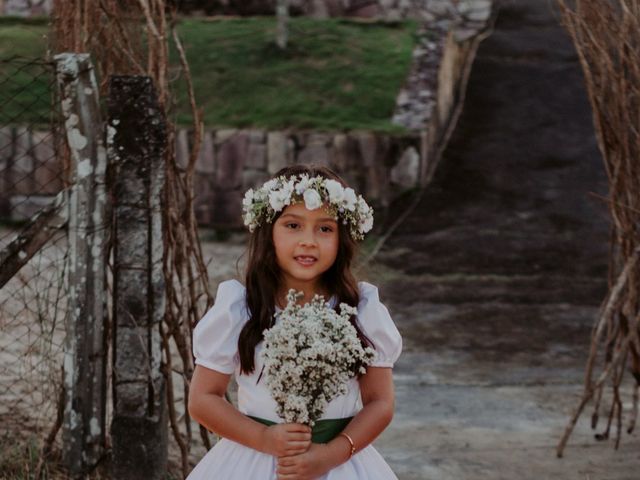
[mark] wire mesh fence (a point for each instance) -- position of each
(33, 287)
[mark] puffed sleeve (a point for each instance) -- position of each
(377, 325)
(215, 336)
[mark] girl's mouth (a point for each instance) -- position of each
(306, 260)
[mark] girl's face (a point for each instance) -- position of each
(306, 245)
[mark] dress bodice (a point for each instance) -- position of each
(215, 346)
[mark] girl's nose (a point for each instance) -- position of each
(308, 240)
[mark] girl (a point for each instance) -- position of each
(305, 223)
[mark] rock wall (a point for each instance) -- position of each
(231, 161)
(392, 9)
(444, 46)
(25, 8)
(30, 171)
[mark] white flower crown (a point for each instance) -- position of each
(275, 194)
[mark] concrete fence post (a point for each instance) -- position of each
(85, 344)
(137, 139)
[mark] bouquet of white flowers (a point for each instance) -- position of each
(309, 356)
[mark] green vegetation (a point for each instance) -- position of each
(25, 87)
(337, 74)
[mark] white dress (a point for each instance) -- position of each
(215, 346)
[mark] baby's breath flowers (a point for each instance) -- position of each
(264, 203)
(309, 356)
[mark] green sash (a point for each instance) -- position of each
(322, 432)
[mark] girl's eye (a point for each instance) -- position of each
(326, 229)
(291, 225)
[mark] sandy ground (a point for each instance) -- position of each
(31, 339)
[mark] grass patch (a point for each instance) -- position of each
(19, 458)
(336, 74)
(25, 86)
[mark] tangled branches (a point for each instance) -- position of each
(606, 35)
(132, 38)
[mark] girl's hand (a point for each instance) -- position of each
(314, 463)
(286, 439)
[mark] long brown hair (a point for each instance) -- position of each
(263, 277)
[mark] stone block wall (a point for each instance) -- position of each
(388, 10)
(26, 8)
(377, 165)
(379, 9)
(30, 171)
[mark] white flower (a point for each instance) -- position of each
(277, 200)
(287, 191)
(366, 224)
(312, 199)
(350, 199)
(248, 199)
(309, 355)
(336, 191)
(270, 184)
(260, 195)
(302, 184)
(363, 207)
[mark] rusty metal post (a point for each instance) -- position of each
(137, 142)
(85, 345)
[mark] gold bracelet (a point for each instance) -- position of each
(353, 447)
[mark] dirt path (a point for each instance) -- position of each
(496, 278)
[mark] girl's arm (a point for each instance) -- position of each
(378, 400)
(208, 407)
(376, 388)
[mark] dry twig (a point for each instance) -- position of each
(606, 36)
